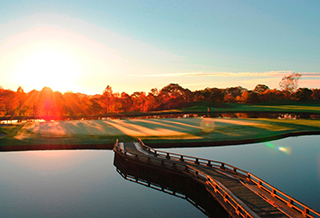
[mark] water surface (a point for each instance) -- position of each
(78, 184)
(84, 183)
(291, 164)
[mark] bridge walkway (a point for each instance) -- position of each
(247, 195)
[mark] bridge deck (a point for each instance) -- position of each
(252, 200)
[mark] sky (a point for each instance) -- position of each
(84, 46)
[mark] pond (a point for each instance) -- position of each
(85, 183)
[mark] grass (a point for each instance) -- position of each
(189, 131)
(288, 107)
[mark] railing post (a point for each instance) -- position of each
(168, 156)
(155, 153)
(197, 161)
(248, 176)
(235, 170)
(209, 163)
(273, 192)
(222, 166)
(181, 158)
(196, 173)
(137, 158)
(306, 211)
(162, 163)
(259, 183)
(289, 202)
(237, 210)
(225, 197)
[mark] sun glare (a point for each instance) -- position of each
(49, 67)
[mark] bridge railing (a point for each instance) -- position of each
(195, 160)
(291, 202)
(240, 208)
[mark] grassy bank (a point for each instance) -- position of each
(156, 132)
(284, 107)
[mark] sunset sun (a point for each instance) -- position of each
(49, 67)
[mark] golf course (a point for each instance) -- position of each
(166, 132)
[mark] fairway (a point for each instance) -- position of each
(163, 132)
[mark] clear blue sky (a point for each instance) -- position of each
(139, 45)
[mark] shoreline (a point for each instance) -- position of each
(164, 144)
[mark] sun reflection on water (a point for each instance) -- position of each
(50, 161)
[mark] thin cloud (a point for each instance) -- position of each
(236, 74)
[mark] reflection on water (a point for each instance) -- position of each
(170, 183)
(291, 165)
(79, 183)
(84, 183)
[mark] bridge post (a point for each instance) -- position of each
(174, 166)
(306, 211)
(168, 156)
(181, 158)
(209, 163)
(235, 170)
(273, 192)
(162, 163)
(237, 210)
(289, 202)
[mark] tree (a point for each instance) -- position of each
(217, 95)
(126, 102)
(316, 94)
(173, 95)
(21, 97)
(303, 94)
(107, 98)
(260, 88)
(249, 97)
(290, 83)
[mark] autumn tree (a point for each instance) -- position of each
(249, 97)
(290, 83)
(316, 94)
(126, 102)
(94, 106)
(107, 99)
(173, 95)
(261, 88)
(303, 94)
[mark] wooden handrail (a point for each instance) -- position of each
(291, 202)
(240, 208)
(201, 161)
(238, 205)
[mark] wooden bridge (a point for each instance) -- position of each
(239, 192)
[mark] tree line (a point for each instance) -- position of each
(53, 103)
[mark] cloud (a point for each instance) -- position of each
(237, 74)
